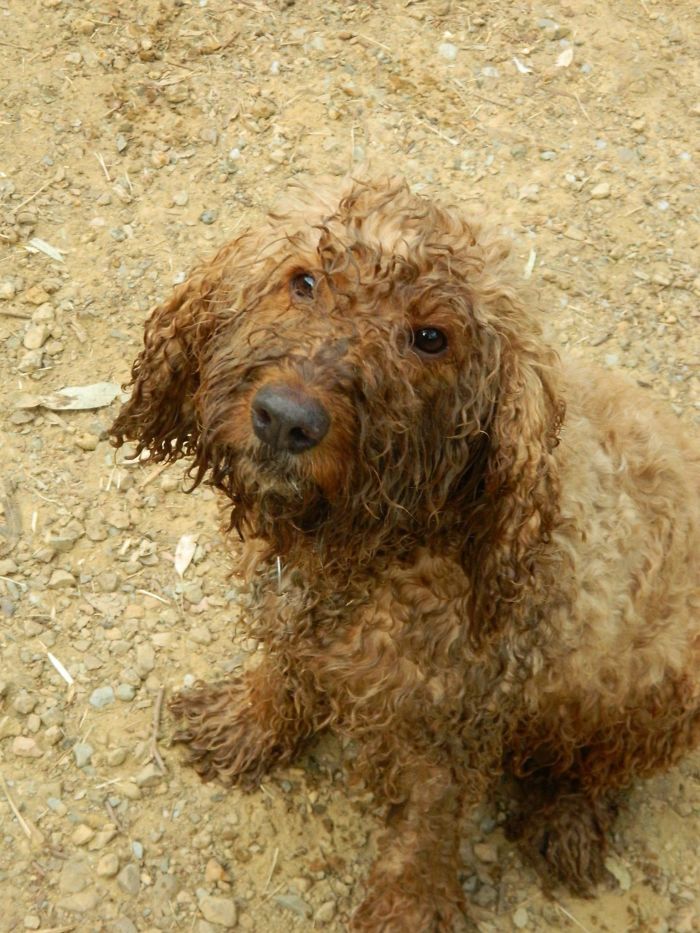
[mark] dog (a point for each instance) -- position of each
(468, 556)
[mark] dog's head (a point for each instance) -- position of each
(357, 369)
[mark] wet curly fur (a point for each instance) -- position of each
(489, 562)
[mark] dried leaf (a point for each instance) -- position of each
(530, 264)
(184, 552)
(42, 246)
(73, 398)
(565, 58)
(60, 668)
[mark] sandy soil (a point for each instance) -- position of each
(134, 137)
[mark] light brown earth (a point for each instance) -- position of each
(121, 124)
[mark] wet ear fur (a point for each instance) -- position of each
(518, 505)
(160, 415)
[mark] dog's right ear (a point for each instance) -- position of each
(160, 415)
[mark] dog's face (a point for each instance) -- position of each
(346, 359)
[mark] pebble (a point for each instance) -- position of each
(26, 747)
(75, 876)
(82, 834)
(86, 441)
(81, 903)
(36, 336)
(24, 702)
(145, 660)
(102, 697)
(214, 872)
(149, 776)
(180, 198)
(126, 693)
(521, 918)
(61, 580)
(218, 910)
(32, 922)
(201, 635)
(448, 51)
(36, 295)
(486, 852)
(129, 879)
(30, 361)
(294, 903)
(102, 838)
(325, 913)
(600, 191)
(208, 217)
(83, 753)
(116, 756)
(8, 290)
(108, 865)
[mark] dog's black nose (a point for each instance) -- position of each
(288, 419)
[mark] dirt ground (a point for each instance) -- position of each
(134, 138)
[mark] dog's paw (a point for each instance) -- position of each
(400, 904)
(566, 842)
(229, 735)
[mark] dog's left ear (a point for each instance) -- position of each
(519, 502)
(160, 414)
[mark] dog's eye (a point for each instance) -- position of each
(429, 340)
(302, 285)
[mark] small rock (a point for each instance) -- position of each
(208, 217)
(108, 865)
(102, 838)
(126, 694)
(325, 913)
(80, 903)
(294, 903)
(32, 922)
(101, 697)
(116, 756)
(220, 911)
(620, 872)
(201, 635)
(600, 191)
(82, 834)
(486, 852)
(8, 290)
(145, 660)
(149, 776)
(86, 441)
(61, 580)
(26, 747)
(83, 753)
(36, 295)
(129, 879)
(36, 336)
(521, 918)
(24, 702)
(180, 198)
(214, 872)
(75, 876)
(30, 361)
(448, 51)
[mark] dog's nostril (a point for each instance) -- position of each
(287, 419)
(263, 415)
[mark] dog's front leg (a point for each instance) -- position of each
(414, 884)
(237, 730)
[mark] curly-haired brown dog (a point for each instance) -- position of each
(474, 582)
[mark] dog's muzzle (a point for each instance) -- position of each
(287, 419)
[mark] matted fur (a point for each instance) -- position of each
(473, 582)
